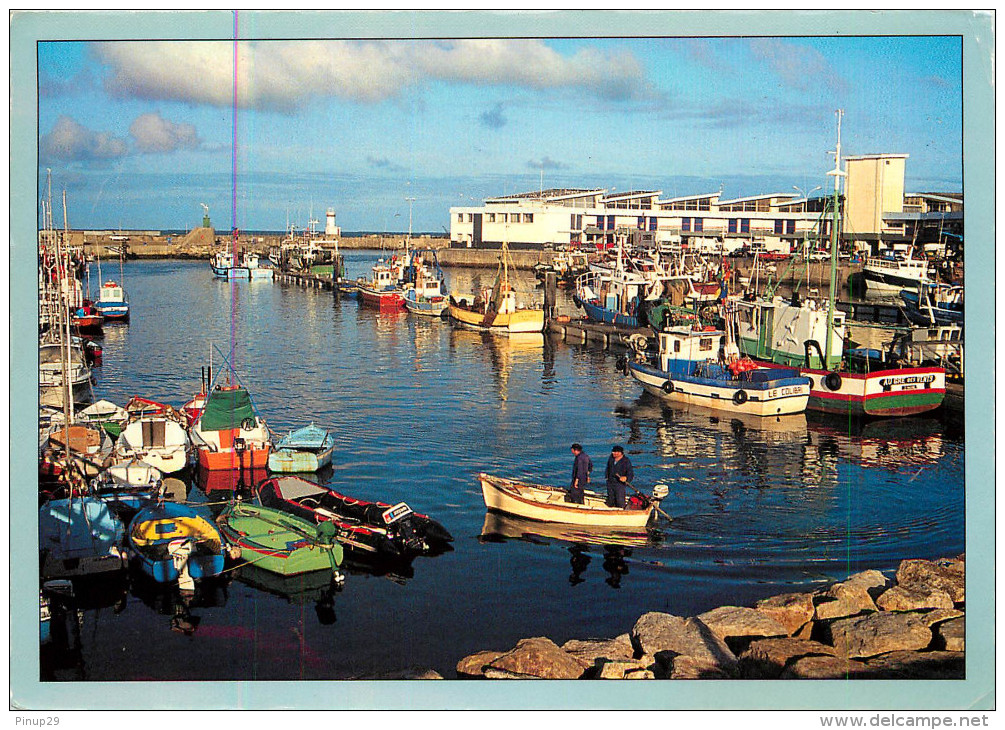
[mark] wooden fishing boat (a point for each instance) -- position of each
(51, 386)
(496, 309)
(88, 448)
(547, 504)
(366, 528)
(130, 484)
(106, 414)
(87, 320)
(256, 268)
(224, 266)
(173, 542)
(159, 440)
(280, 542)
(229, 434)
(383, 288)
(305, 450)
(79, 537)
(425, 289)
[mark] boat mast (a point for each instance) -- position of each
(837, 174)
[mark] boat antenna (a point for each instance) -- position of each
(837, 174)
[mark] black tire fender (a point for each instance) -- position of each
(740, 397)
(833, 381)
(667, 387)
(247, 424)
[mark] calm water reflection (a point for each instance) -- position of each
(419, 408)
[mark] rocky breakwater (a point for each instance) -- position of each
(865, 627)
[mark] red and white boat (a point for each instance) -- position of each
(383, 289)
(229, 434)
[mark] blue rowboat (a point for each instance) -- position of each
(171, 540)
(307, 449)
(79, 537)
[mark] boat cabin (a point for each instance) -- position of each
(777, 330)
(683, 348)
(111, 293)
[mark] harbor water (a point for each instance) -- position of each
(420, 407)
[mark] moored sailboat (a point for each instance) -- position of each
(497, 309)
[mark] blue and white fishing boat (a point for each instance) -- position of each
(225, 267)
(256, 268)
(698, 365)
(934, 304)
(425, 289)
(79, 537)
(113, 304)
(307, 449)
(173, 542)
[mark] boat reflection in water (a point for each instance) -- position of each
(316, 587)
(219, 484)
(616, 544)
(505, 353)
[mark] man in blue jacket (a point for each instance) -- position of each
(619, 473)
(581, 468)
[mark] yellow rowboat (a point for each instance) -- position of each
(515, 320)
(547, 504)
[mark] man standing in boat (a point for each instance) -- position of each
(581, 468)
(619, 473)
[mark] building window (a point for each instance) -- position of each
(460, 217)
(685, 224)
(790, 227)
(641, 224)
(653, 223)
(699, 225)
(600, 222)
(490, 217)
(471, 217)
(779, 226)
(528, 217)
(744, 225)
(610, 222)
(732, 225)
(704, 204)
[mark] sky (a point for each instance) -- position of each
(141, 133)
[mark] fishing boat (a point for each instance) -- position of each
(229, 435)
(934, 304)
(567, 264)
(224, 266)
(52, 364)
(280, 542)
(79, 537)
(172, 542)
(84, 448)
(159, 439)
(370, 529)
(496, 309)
(305, 450)
(113, 304)
(425, 288)
(106, 414)
(700, 366)
(130, 484)
(811, 335)
(891, 271)
(383, 288)
(547, 504)
(255, 267)
(87, 320)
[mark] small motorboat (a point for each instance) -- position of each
(305, 450)
(547, 504)
(229, 434)
(106, 414)
(130, 484)
(280, 542)
(156, 436)
(366, 528)
(174, 542)
(113, 304)
(79, 537)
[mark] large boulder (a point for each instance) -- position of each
(900, 598)
(689, 667)
(951, 635)
(588, 652)
(939, 615)
(537, 657)
(667, 637)
(791, 610)
(730, 622)
(879, 633)
(767, 658)
(946, 574)
(624, 670)
(474, 665)
(917, 665)
(851, 597)
(823, 667)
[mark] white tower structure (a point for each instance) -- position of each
(330, 228)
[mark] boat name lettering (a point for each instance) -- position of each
(907, 380)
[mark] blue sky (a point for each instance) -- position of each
(141, 133)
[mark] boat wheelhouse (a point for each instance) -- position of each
(383, 288)
(113, 304)
(225, 266)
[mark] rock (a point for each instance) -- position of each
(671, 636)
(620, 669)
(870, 580)
(538, 657)
(899, 598)
(917, 665)
(951, 635)
(791, 610)
(823, 667)
(734, 621)
(587, 652)
(410, 673)
(879, 633)
(474, 665)
(947, 574)
(850, 597)
(639, 674)
(765, 659)
(940, 614)
(493, 673)
(689, 667)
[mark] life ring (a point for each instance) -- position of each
(833, 381)
(668, 387)
(740, 397)
(247, 424)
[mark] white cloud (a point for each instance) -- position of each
(287, 74)
(70, 140)
(152, 133)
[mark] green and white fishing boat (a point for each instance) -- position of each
(280, 542)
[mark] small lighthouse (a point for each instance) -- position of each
(330, 228)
